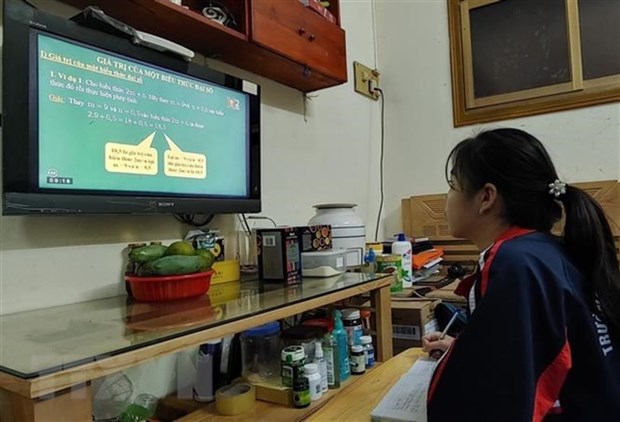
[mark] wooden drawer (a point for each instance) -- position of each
(288, 28)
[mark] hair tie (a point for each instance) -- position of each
(557, 188)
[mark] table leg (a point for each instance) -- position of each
(74, 404)
(381, 301)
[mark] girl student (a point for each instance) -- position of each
(543, 337)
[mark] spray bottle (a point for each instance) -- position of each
(342, 345)
(321, 364)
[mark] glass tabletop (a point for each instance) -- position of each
(44, 341)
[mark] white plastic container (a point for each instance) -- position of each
(311, 371)
(323, 263)
(369, 351)
(348, 230)
(403, 248)
(322, 364)
(206, 370)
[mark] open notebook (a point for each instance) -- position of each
(406, 401)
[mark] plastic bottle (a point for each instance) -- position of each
(403, 248)
(311, 371)
(351, 319)
(320, 362)
(358, 360)
(207, 368)
(301, 392)
(342, 344)
(331, 359)
(293, 361)
(369, 351)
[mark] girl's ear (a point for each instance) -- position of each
(487, 198)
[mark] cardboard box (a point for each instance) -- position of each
(315, 238)
(274, 393)
(411, 320)
(279, 255)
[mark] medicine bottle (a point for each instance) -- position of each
(352, 322)
(358, 360)
(369, 351)
(293, 360)
(311, 371)
(301, 392)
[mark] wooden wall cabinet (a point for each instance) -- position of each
(281, 40)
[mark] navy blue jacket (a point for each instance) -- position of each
(533, 348)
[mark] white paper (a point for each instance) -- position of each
(406, 401)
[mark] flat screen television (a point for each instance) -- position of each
(93, 124)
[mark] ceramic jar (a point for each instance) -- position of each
(348, 230)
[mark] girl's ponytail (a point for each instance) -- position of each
(589, 242)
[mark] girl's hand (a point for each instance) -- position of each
(432, 342)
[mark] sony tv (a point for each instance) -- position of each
(94, 124)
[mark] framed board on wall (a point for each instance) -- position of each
(513, 58)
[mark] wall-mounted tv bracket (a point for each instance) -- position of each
(95, 18)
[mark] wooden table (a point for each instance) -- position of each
(50, 356)
(352, 402)
(357, 401)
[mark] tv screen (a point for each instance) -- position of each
(95, 124)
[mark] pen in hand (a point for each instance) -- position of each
(436, 353)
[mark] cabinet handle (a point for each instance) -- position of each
(301, 31)
(311, 37)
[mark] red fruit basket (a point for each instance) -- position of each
(172, 287)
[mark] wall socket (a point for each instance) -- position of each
(363, 77)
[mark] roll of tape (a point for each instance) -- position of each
(235, 399)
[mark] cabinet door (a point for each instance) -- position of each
(288, 28)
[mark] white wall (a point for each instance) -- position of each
(330, 156)
(413, 49)
(48, 261)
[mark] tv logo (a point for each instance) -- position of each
(165, 204)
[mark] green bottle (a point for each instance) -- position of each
(330, 352)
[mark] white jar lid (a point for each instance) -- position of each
(350, 313)
(293, 354)
(357, 348)
(366, 339)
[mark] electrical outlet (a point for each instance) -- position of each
(363, 77)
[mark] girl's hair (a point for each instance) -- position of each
(521, 170)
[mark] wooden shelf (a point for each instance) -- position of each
(324, 67)
(102, 350)
(198, 412)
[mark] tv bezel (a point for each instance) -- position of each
(21, 193)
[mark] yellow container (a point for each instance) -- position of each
(225, 271)
(375, 246)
